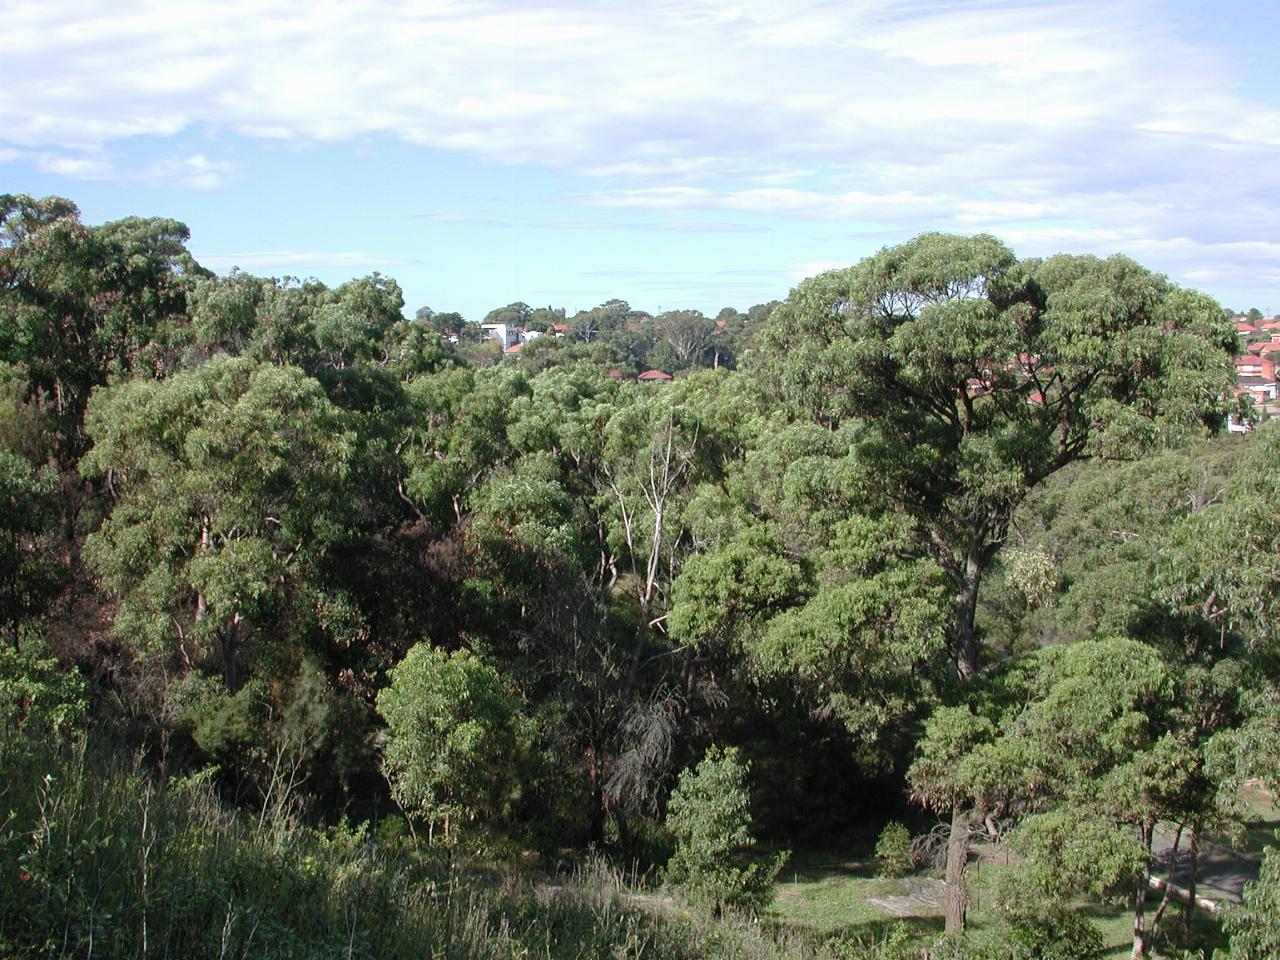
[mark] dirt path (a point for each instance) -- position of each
(1222, 873)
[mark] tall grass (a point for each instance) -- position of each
(101, 861)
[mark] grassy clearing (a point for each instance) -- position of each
(828, 896)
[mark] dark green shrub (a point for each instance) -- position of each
(709, 817)
(893, 850)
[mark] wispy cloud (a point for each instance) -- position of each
(74, 168)
(196, 172)
(302, 260)
(893, 114)
(665, 225)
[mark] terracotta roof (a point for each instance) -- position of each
(650, 376)
(514, 348)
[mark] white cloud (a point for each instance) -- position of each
(196, 172)
(75, 168)
(302, 260)
(1063, 115)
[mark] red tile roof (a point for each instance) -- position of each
(651, 376)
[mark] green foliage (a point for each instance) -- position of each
(710, 818)
(80, 304)
(1071, 850)
(38, 691)
(29, 574)
(893, 850)
(969, 378)
(230, 486)
(290, 484)
(103, 861)
(1254, 925)
(453, 733)
(1027, 930)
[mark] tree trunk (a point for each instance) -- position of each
(1141, 941)
(595, 776)
(1193, 868)
(965, 640)
(229, 640)
(957, 867)
(1158, 917)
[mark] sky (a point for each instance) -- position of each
(673, 153)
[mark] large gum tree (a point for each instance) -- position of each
(967, 377)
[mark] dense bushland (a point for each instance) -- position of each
(945, 533)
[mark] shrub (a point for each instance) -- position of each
(893, 850)
(453, 731)
(709, 817)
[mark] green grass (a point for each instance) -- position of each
(102, 860)
(827, 895)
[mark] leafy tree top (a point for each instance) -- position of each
(970, 376)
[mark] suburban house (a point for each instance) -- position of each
(654, 376)
(1256, 369)
(507, 334)
(1248, 365)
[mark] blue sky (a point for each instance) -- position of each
(675, 153)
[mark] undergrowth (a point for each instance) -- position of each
(100, 860)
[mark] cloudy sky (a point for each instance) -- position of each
(694, 153)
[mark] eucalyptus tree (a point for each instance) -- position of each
(687, 334)
(969, 377)
(228, 485)
(79, 304)
(1077, 758)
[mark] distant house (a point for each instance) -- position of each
(616, 374)
(654, 376)
(507, 334)
(1248, 365)
(1256, 379)
(514, 348)
(1261, 389)
(1245, 328)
